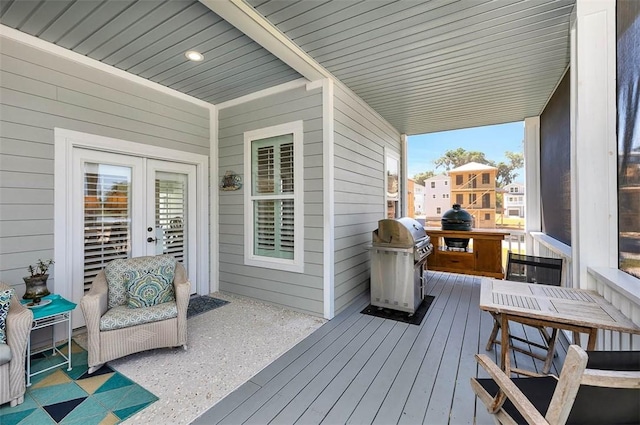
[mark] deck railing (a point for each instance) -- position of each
(615, 286)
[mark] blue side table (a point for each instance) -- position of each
(53, 309)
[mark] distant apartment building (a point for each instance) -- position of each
(473, 186)
(437, 196)
(513, 200)
(415, 198)
(418, 198)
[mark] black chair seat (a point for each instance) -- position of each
(614, 360)
(593, 405)
(538, 390)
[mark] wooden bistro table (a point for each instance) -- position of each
(575, 310)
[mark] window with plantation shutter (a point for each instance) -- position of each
(274, 202)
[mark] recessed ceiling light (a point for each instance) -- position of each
(192, 55)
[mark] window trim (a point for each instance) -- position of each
(250, 259)
(388, 154)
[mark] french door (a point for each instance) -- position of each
(130, 206)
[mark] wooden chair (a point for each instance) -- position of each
(530, 269)
(593, 388)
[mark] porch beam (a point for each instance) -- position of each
(246, 19)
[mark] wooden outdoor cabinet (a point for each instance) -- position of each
(483, 256)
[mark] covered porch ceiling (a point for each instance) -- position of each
(424, 66)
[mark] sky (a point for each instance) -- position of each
(493, 140)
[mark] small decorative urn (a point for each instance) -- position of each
(37, 282)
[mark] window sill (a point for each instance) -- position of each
(553, 244)
(280, 265)
(619, 281)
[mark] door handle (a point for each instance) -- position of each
(150, 239)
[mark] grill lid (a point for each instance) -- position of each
(402, 232)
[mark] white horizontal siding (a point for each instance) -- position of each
(298, 291)
(40, 91)
(361, 138)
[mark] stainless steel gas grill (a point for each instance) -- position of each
(399, 253)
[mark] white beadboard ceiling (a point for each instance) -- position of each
(425, 66)
(148, 38)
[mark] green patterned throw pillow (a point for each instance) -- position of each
(116, 269)
(149, 288)
(5, 301)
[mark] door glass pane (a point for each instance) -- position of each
(107, 216)
(171, 214)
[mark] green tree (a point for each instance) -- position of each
(507, 171)
(457, 157)
(421, 177)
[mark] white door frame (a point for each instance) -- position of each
(65, 142)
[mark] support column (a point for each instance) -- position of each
(404, 178)
(532, 200)
(594, 239)
(328, 197)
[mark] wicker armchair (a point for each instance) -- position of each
(12, 373)
(135, 333)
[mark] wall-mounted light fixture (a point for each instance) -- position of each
(230, 181)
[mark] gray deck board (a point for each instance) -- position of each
(349, 399)
(442, 380)
(360, 369)
(269, 398)
(343, 368)
(304, 389)
(400, 365)
(412, 389)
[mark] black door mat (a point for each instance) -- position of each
(401, 316)
(199, 304)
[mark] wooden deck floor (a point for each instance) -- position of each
(360, 369)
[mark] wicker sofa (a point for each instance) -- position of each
(114, 330)
(12, 372)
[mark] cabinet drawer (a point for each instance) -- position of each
(457, 260)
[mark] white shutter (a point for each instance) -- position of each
(287, 228)
(107, 217)
(272, 189)
(286, 168)
(265, 237)
(171, 216)
(263, 177)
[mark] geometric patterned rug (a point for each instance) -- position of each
(73, 397)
